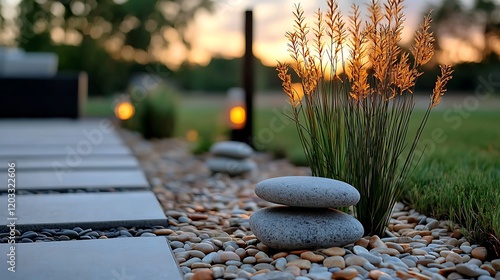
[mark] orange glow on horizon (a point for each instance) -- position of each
(455, 51)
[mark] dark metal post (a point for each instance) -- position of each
(245, 134)
(248, 75)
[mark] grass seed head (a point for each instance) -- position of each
(376, 63)
(440, 87)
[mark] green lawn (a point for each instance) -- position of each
(99, 107)
(458, 176)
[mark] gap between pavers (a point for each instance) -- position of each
(65, 178)
(85, 210)
(132, 258)
(84, 163)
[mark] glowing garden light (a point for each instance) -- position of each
(124, 110)
(236, 112)
(237, 117)
(192, 135)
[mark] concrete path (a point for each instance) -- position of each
(141, 258)
(62, 155)
(85, 210)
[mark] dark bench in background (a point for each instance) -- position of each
(60, 96)
(31, 87)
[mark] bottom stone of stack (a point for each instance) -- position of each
(230, 166)
(295, 228)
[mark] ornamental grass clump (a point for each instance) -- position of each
(357, 86)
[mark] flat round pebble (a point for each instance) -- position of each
(348, 273)
(307, 191)
(355, 260)
(249, 260)
(479, 253)
(203, 247)
(334, 251)
(334, 261)
(373, 259)
(471, 270)
(29, 235)
(69, 233)
(229, 256)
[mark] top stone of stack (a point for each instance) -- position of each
(307, 191)
(232, 149)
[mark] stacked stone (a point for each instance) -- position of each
(232, 158)
(307, 220)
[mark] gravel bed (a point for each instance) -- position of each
(78, 233)
(92, 190)
(211, 239)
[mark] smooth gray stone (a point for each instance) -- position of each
(230, 166)
(65, 178)
(76, 151)
(359, 250)
(375, 260)
(85, 210)
(90, 162)
(101, 259)
(276, 275)
(290, 228)
(485, 277)
(307, 191)
(232, 149)
(471, 270)
(69, 233)
(361, 271)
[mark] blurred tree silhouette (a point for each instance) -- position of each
(476, 26)
(1, 20)
(487, 13)
(452, 19)
(106, 38)
(221, 74)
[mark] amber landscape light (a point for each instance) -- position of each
(192, 135)
(237, 116)
(124, 110)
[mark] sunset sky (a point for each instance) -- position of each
(220, 33)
